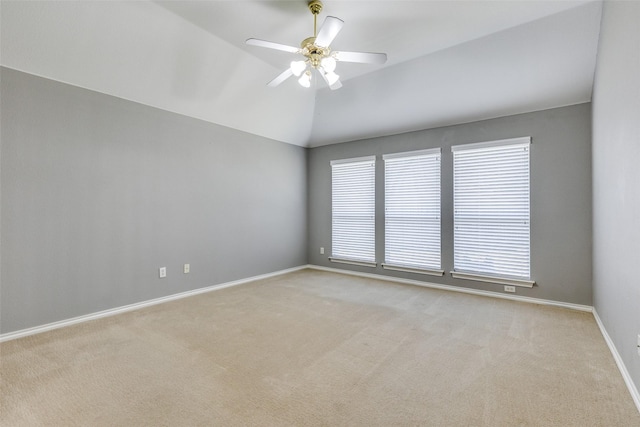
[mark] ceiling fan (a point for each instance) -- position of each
(318, 54)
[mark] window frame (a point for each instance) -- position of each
(366, 209)
(504, 239)
(410, 188)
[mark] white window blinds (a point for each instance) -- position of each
(353, 210)
(412, 211)
(491, 208)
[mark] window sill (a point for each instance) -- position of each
(413, 270)
(353, 262)
(493, 279)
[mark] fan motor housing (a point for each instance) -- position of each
(313, 52)
(307, 43)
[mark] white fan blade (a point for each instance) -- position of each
(281, 77)
(329, 30)
(362, 57)
(336, 85)
(272, 45)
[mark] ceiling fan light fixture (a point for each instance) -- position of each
(328, 63)
(317, 52)
(305, 79)
(331, 77)
(298, 67)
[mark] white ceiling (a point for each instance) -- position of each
(449, 61)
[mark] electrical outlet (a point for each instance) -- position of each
(187, 268)
(321, 251)
(163, 272)
(508, 288)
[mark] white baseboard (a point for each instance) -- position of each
(621, 366)
(530, 300)
(113, 311)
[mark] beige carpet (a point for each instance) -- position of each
(320, 349)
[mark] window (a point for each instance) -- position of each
(491, 211)
(412, 212)
(353, 211)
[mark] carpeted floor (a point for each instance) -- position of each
(320, 349)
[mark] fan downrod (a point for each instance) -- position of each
(309, 49)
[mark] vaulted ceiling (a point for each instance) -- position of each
(449, 61)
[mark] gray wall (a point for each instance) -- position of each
(560, 197)
(616, 180)
(99, 192)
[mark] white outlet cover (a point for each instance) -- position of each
(163, 272)
(321, 251)
(187, 268)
